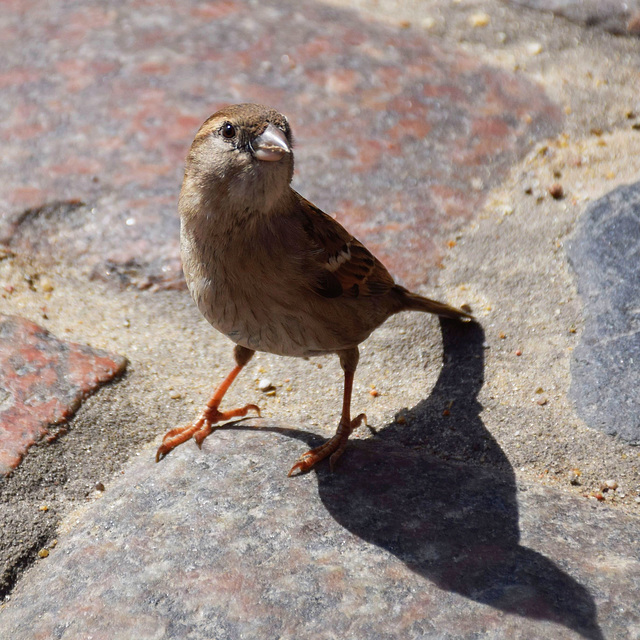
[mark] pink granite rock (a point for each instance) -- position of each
(398, 136)
(43, 381)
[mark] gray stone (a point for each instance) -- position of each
(621, 17)
(605, 254)
(396, 543)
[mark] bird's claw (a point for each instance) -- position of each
(202, 428)
(305, 463)
(175, 437)
(309, 459)
(332, 448)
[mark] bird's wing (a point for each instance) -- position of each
(342, 266)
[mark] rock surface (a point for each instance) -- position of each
(484, 505)
(396, 544)
(621, 17)
(43, 380)
(605, 254)
(113, 125)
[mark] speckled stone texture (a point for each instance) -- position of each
(605, 254)
(396, 543)
(43, 381)
(101, 100)
(621, 17)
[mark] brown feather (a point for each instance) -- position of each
(343, 261)
(414, 302)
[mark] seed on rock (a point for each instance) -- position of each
(43, 553)
(556, 191)
(534, 48)
(265, 385)
(46, 285)
(479, 20)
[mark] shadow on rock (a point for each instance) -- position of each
(455, 523)
(440, 494)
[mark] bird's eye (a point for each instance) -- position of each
(228, 130)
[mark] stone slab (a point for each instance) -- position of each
(621, 17)
(43, 381)
(605, 255)
(219, 543)
(396, 543)
(400, 137)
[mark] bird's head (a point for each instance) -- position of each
(242, 158)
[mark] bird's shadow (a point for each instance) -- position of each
(440, 494)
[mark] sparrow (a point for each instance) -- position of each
(273, 272)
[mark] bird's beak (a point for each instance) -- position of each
(270, 145)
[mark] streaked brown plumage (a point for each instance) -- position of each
(270, 270)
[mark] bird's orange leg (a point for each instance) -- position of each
(203, 427)
(337, 444)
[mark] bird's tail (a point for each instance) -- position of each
(415, 302)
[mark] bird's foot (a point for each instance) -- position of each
(200, 429)
(332, 448)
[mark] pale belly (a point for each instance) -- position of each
(259, 321)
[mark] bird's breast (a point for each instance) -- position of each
(248, 296)
(250, 289)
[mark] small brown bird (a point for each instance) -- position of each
(272, 271)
